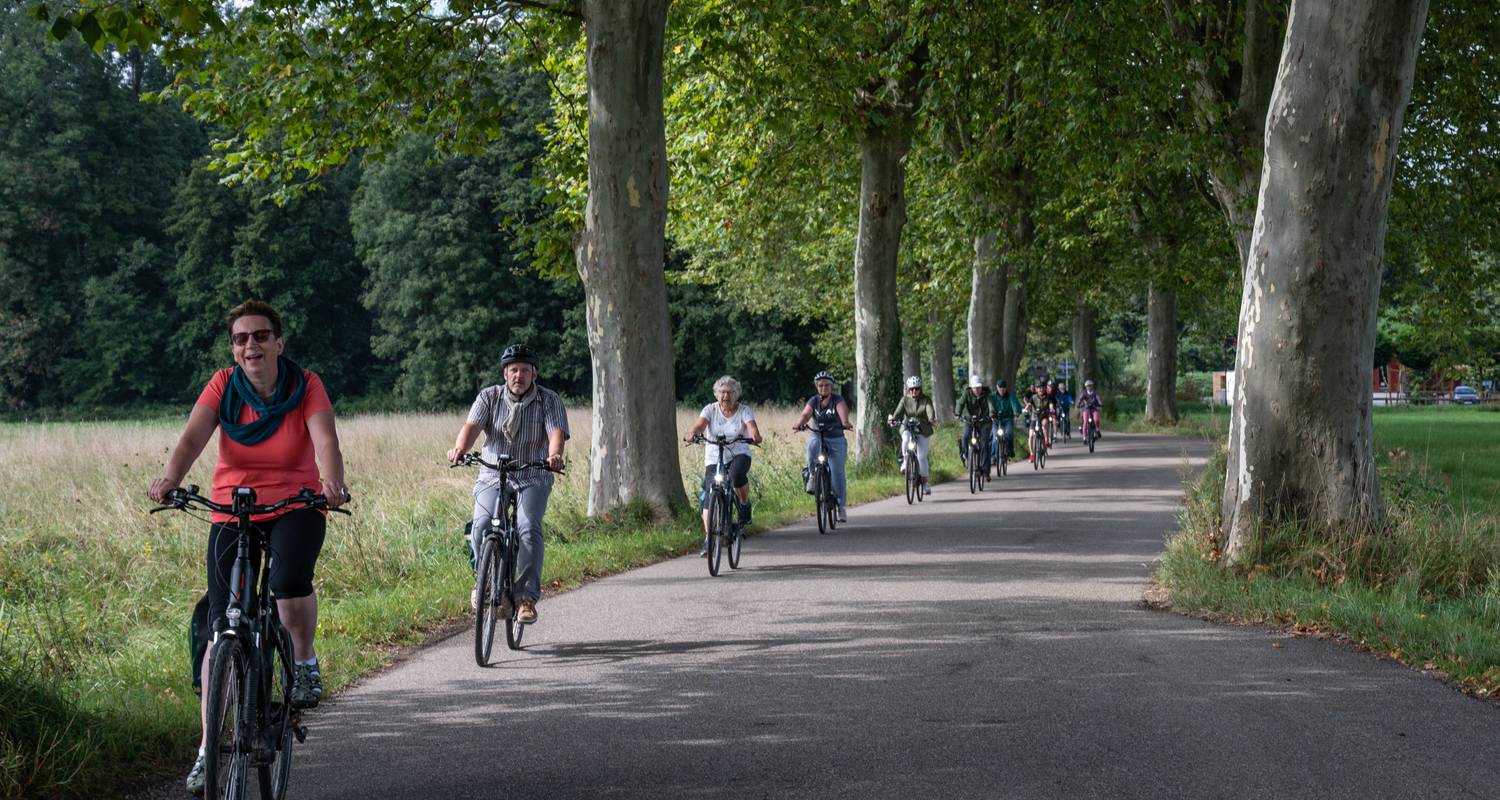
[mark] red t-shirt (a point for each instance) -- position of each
(280, 465)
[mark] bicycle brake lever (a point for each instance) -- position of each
(342, 511)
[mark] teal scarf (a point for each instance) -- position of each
(290, 383)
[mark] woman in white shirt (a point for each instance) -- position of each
(728, 418)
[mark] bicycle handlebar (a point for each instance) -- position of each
(181, 499)
(823, 428)
(699, 438)
(505, 464)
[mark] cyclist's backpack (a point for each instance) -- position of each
(198, 642)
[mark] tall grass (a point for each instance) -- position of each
(95, 593)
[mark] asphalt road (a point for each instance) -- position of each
(969, 646)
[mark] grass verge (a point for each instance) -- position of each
(95, 693)
(1424, 590)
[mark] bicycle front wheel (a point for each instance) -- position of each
(511, 577)
(228, 722)
(273, 777)
(912, 484)
(822, 504)
(716, 524)
(487, 584)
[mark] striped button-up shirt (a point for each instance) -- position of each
(544, 415)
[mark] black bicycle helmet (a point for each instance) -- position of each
(823, 376)
(1000, 384)
(518, 352)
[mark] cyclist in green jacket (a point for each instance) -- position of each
(977, 409)
(1006, 409)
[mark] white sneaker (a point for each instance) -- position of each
(926, 490)
(195, 777)
(843, 515)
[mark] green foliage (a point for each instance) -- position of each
(772, 357)
(233, 245)
(77, 219)
(447, 286)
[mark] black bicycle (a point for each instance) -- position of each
(1090, 431)
(1039, 440)
(979, 470)
(1065, 422)
(821, 479)
(497, 567)
(1004, 448)
(909, 465)
(725, 529)
(251, 720)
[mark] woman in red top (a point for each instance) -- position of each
(276, 426)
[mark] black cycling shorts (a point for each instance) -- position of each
(738, 473)
(296, 540)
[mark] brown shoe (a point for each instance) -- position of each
(526, 612)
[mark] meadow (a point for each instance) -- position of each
(1423, 589)
(95, 592)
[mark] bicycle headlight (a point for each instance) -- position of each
(718, 477)
(822, 458)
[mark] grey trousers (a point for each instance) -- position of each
(531, 504)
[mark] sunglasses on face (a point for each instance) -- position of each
(243, 338)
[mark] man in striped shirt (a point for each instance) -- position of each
(527, 423)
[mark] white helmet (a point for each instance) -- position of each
(914, 382)
(1088, 383)
(976, 382)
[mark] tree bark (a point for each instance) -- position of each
(1014, 328)
(987, 310)
(942, 365)
(621, 254)
(1300, 438)
(911, 357)
(1085, 343)
(877, 334)
(1161, 355)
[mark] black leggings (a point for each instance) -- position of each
(296, 540)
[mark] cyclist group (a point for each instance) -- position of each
(278, 438)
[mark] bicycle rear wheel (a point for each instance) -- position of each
(487, 584)
(510, 576)
(830, 502)
(228, 722)
(716, 514)
(273, 777)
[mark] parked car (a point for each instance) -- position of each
(1465, 395)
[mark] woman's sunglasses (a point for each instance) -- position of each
(261, 337)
